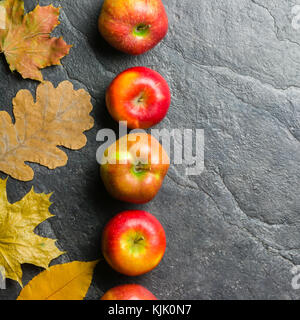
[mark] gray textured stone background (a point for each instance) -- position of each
(234, 70)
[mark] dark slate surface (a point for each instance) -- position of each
(233, 232)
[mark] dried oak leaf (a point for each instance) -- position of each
(25, 38)
(69, 281)
(18, 242)
(57, 118)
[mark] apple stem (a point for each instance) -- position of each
(140, 167)
(140, 99)
(138, 239)
(141, 29)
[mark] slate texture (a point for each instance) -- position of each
(234, 70)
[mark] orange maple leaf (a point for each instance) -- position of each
(25, 38)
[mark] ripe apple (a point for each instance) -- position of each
(140, 96)
(133, 26)
(128, 292)
(133, 242)
(133, 168)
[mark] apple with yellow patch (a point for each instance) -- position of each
(128, 292)
(140, 96)
(134, 167)
(133, 242)
(133, 26)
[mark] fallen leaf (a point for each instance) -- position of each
(57, 118)
(18, 242)
(69, 281)
(25, 38)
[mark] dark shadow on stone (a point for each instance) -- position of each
(101, 200)
(106, 278)
(103, 119)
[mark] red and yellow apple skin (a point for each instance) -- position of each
(133, 242)
(133, 26)
(140, 96)
(128, 292)
(136, 167)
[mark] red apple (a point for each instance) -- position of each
(140, 96)
(133, 242)
(133, 26)
(128, 292)
(135, 168)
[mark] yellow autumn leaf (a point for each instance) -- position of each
(58, 117)
(68, 281)
(18, 242)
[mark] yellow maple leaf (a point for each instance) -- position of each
(18, 242)
(57, 118)
(25, 38)
(69, 281)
